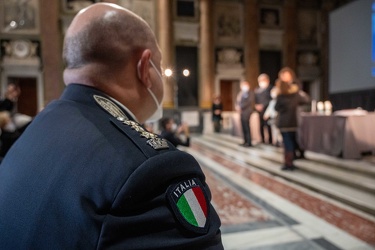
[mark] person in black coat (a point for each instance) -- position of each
(288, 99)
(217, 110)
(85, 174)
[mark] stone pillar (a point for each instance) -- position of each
(290, 34)
(206, 55)
(251, 41)
(327, 6)
(51, 47)
(165, 39)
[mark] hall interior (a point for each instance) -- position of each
(208, 46)
(329, 202)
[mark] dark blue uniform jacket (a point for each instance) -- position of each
(78, 178)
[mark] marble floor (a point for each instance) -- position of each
(256, 214)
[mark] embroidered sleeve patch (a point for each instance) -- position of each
(190, 204)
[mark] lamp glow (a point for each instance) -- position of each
(168, 72)
(186, 72)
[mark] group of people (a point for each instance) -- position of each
(277, 107)
(12, 123)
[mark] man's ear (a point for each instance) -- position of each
(143, 68)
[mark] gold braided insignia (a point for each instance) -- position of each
(110, 107)
(153, 140)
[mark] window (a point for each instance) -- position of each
(185, 8)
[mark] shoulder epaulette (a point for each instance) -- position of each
(153, 140)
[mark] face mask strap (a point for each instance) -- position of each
(154, 97)
(153, 65)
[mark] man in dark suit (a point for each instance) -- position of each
(245, 106)
(262, 99)
(85, 174)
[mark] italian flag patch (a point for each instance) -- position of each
(190, 204)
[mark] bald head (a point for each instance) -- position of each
(113, 50)
(106, 35)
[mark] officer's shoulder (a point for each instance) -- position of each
(149, 143)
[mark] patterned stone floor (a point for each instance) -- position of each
(253, 217)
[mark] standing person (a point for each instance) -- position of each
(171, 132)
(217, 109)
(85, 174)
(287, 102)
(9, 103)
(262, 99)
(288, 75)
(12, 93)
(244, 105)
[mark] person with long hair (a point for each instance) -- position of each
(289, 98)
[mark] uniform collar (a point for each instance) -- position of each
(124, 107)
(84, 94)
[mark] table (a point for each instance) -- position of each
(347, 136)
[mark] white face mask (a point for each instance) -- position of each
(263, 84)
(245, 88)
(158, 114)
(174, 127)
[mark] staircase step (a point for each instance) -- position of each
(270, 161)
(366, 168)
(343, 175)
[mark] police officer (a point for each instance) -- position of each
(86, 174)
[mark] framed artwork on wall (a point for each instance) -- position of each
(74, 6)
(19, 17)
(228, 24)
(270, 17)
(308, 27)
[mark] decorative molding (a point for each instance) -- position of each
(271, 39)
(185, 31)
(20, 52)
(229, 56)
(308, 58)
(229, 62)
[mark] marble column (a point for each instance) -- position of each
(290, 34)
(251, 41)
(206, 55)
(165, 39)
(327, 7)
(51, 44)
